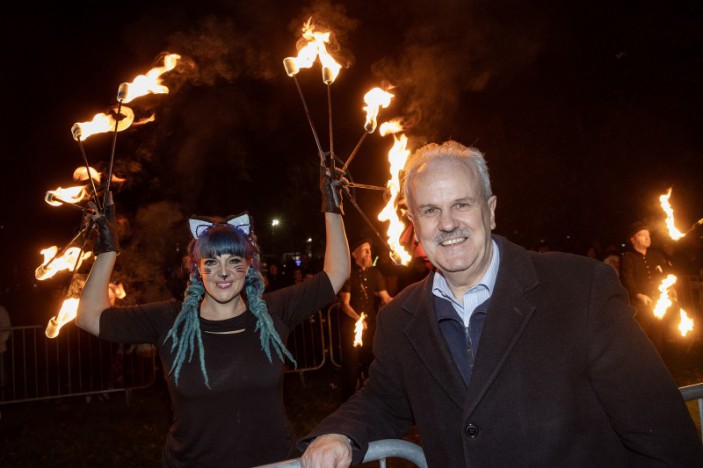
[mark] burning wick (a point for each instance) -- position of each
(151, 83)
(311, 47)
(359, 330)
(53, 200)
(65, 315)
(374, 99)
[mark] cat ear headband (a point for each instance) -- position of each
(240, 222)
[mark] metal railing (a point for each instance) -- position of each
(307, 344)
(691, 393)
(379, 451)
(75, 363)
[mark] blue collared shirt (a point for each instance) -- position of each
(474, 296)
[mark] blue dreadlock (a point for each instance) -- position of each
(220, 239)
(254, 286)
(188, 319)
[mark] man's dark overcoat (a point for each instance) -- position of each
(563, 376)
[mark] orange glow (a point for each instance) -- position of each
(392, 126)
(115, 291)
(65, 315)
(310, 47)
(686, 324)
(66, 261)
(674, 233)
(102, 123)
(150, 83)
(81, 174)
(374, 99)
(664, 301)
(397, 157)
(66, 195)
(359, 330)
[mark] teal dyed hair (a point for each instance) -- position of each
(220, 239)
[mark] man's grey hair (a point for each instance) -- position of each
(449, 150)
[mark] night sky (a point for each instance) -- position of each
(586, 112)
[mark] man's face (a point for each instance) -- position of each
(362, 256)
(453, 220)
(641, 240)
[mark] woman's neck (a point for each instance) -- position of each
(210, 309)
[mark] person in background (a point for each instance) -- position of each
(362, 293)
(612, 258)
(274, 279)
(223, 346)
(506, 357)
(642, 270)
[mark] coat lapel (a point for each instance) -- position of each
(426, 339)
(509, 312)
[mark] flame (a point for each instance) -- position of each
(359, 330)
(311, 46)
(115, 291)
(392, 126)
(53, 263)
(664, 301)
(148, 84)
(81, 174)
(673, 232)
(686, 324)
(65, 315)
(374, 99)
(102, 123)
(397, 157)
(66, 195)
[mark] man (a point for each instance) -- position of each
(562, 374)
(642, 270)
(365, 287)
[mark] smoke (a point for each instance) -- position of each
(462, 50)
(231, 103)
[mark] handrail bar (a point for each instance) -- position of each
(378, 450)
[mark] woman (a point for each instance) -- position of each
(223, 347)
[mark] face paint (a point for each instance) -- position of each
(224, 276)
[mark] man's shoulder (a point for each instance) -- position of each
(564, 263)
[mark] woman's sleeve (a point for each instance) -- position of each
(295, 303)
(144, 323)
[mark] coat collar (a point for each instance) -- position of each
(509, 312)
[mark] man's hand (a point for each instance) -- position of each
(644, 299)
(328, 451)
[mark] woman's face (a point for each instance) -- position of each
(223, 276)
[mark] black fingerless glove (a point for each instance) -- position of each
(331, 191)
(107, 240)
